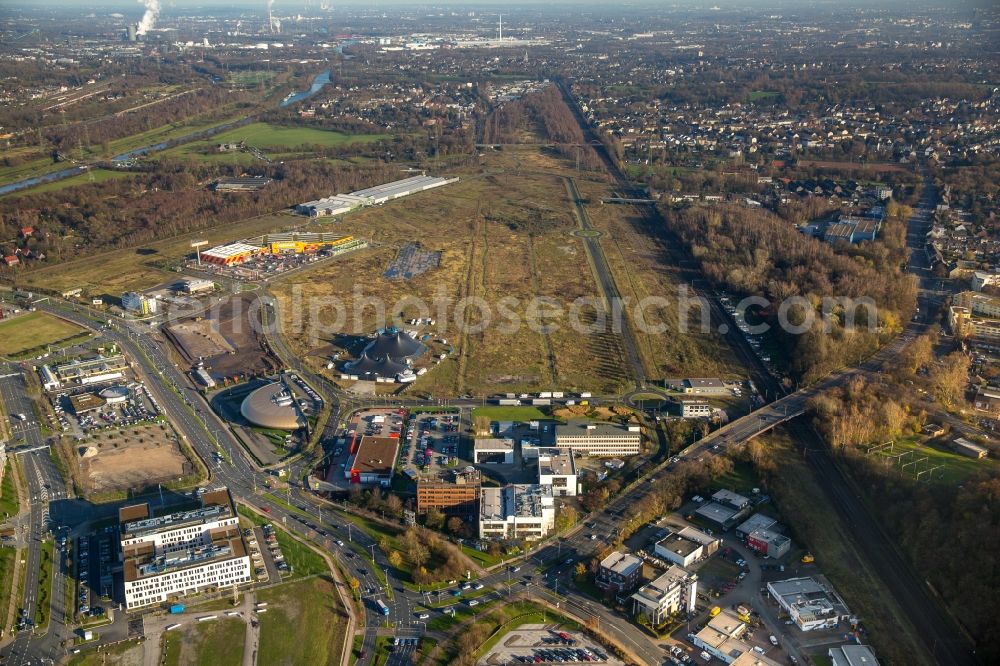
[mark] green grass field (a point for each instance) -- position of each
(481, 556)
(32, 331)
(273, 137)
(758, 95)
(303, 625)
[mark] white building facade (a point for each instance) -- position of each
(174, 555)
(599, 439)
(516, 512)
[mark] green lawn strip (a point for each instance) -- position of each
(69, 582)
(7, 558)
(382, 652)
(433, 410)
(170, 650)
(356, 646)
(481, 556)
(498, 413)
(463, 612)
(9, 505)
(303, 624)
(451, 600)
(44, 597)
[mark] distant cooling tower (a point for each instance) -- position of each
(131, 32)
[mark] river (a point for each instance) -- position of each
(319, 81)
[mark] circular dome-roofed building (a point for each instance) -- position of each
(272, 406)
(396, 345)
(114, 395)
(375, 367)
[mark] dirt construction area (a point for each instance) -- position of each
(228, 339)
(200, 338)
(133, 457)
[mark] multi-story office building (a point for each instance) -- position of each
(599, 439)
(518, 511)
(170, 556)
(556, 468)
(676, 591)
(453, 493)
(619, 572)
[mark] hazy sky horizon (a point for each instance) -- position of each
(289, 5)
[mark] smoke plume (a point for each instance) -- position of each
(149, 17)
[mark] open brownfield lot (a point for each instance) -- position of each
(644, 269)
(501, 236)
(228, 338)
(133, 457)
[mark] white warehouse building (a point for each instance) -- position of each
(339, 204)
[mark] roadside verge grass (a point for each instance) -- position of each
(43, 600)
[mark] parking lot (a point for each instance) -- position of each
(272, 559)
(539, 644)
(96, 556)
(430, 442)
(129, 405)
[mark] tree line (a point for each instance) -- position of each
(753, 252)
(126, 212)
